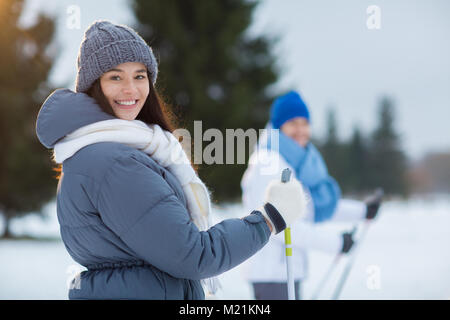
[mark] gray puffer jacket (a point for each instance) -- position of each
(124, 217)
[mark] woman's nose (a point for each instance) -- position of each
(129, 87)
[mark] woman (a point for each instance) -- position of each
(130, 206)
(291, 147)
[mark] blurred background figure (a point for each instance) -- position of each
(293, 149)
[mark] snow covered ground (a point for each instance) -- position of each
(404, 256)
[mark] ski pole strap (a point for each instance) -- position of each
(276, 218)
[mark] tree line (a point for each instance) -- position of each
(367, 161)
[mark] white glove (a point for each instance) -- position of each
(285, 202)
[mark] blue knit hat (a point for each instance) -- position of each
(287, 107)
(106, 45)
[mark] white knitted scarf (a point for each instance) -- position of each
(162, 146)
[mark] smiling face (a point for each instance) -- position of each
(126, 88)
(298, 129)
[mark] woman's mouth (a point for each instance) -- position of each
(126, 104)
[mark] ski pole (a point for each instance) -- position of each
(327, 275)
(378, 195)
(350, 262)
(330, 269)
(285, 177)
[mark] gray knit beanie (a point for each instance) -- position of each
(106, 45)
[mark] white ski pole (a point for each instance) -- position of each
(285, 177)
(350, 262)
(337, 292)
(332, 266)
(330, 269)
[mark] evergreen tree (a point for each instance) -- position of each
(334, 152)
(387, 160)
(26, 181)
(210, 70)
(357, 166)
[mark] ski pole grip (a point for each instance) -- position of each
(286, 175)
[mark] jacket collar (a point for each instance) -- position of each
(65, 111)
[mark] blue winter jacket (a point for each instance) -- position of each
(124, 217)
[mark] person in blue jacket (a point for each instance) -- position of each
(292, 148)
(130, 206)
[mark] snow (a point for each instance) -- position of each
(404, 256)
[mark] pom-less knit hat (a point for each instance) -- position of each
(287, 107)
(106, 45)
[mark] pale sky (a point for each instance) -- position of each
(329, 55)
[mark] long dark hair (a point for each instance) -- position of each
(154, 111)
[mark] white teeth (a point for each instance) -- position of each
(127, 103)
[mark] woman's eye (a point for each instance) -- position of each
(139, 77)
